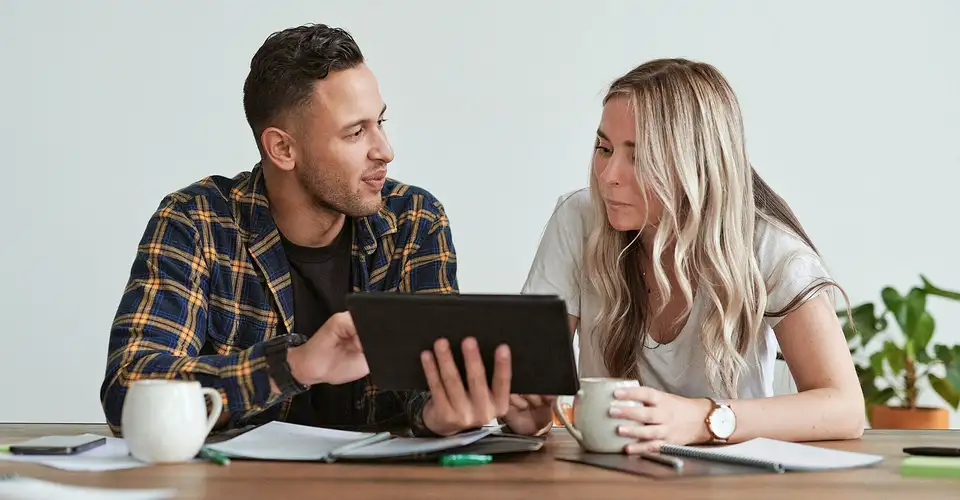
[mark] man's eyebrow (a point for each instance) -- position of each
(629, 144)
(362, 120)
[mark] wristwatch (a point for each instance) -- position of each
(277, 366)
(721, 421)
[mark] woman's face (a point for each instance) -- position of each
(614, 165)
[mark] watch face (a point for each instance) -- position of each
(723, 422)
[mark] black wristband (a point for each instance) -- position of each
(277, 366)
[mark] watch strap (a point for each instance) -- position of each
(277, 366)
(717, 404)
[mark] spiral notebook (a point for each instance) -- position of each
(777, 456)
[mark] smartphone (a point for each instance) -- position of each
(57, 445)
(933, 451)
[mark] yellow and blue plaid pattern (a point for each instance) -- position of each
(210, 283)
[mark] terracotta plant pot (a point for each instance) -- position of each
(894, 417)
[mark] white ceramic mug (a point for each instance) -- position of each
(166, 421)
(592, 426)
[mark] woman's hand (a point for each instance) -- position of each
(662, 419)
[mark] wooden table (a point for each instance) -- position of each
(532, 476)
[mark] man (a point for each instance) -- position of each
(240, 282)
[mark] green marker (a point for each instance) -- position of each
(215, 457)
(464, 460)
(4, 448)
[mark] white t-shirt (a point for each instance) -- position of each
(678, 366)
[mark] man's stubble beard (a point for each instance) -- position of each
(331, 193)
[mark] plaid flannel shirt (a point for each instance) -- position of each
(210, 283)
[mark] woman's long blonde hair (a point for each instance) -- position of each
(691, 156)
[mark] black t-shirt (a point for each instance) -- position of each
(321, 281)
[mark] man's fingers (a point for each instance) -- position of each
(437, 392)
(502, 374)
(476, 375)
(344, 326)
(450, 376)
(519, 402)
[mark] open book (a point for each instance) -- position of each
(778, 456)
(285, 441)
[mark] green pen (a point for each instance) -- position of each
(213, 456)
(464, 460)
(4, 448)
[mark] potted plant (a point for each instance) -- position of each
(891, 367)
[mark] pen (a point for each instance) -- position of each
(213, 456)
(4, 448)
(674, 462)
(367, 441)
(464, 459)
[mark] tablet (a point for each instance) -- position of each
(394, 328)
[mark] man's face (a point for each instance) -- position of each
(342, 149)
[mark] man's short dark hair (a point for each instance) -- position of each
(286, 67)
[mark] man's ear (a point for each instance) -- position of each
(278, 146)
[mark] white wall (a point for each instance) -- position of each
(852, 112)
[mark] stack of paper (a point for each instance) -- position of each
(284, 441)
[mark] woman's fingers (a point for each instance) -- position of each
(643, 446)
(637, 413)
(643, 432)
(645, 395)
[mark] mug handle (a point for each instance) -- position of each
(566, 423)
(216, 406)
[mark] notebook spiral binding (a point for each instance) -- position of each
(686, 451)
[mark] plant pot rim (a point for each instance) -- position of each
(920, 409)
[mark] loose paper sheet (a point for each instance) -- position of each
(114, 455)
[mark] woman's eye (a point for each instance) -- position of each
(605, 151)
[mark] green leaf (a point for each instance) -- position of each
(953, 376)
(881, 323)
(865, 321)
(923, 332)
(876, 363)
(934, 290)
(924, 357)
(881, 397)
(895, 356)
(896, 304)
(946, 390)
(916, 305)
(944, 354)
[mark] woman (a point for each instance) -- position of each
(681, 268)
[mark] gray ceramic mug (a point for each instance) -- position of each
(592, 425)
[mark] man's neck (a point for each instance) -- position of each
(297, 217)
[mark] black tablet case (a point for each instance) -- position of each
(394, 328)
(633, 464)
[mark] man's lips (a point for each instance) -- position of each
(375, 178)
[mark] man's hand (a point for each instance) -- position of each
(333, 354)
(452, 407)
(529, 415)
